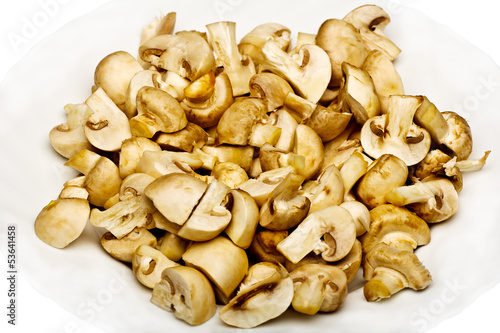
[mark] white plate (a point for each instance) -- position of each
(464, 253)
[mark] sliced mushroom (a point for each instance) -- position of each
(318, 288)
(327, 191)
(172, 246)
(68, 139)
(62, 221)
(186, 292)
(244, 218)
(107, 127)
(263, 133)
(267, 296)
(351, 263)
(239, 68)
(271, 88)
(389, 270)
(352, 170)
(330, 231)
(141, 79)
(360, 215)
(241, 155)
(131, 153)
(437, 163)
(285, 121)
(159, 163)
(230, 174)
(309, 144)
(271, 158)
(123, 249)
(173, 83)
(148, 265)
(251, 44)
(187, 139)
(159, 26)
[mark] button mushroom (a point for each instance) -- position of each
(389, 270)
(186, 292)
(244, 218)
(327, 190)
(172, 246)
(263, 246)
(148, 265)
(131, 152)
(229, 173)
(309, 144)
(271, 88)
(187, 139)
(251, 44)
(395, 133)
(123, 249)
(141, 79)
(318, 288)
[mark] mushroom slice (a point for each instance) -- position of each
(385, 77)
(328, 190)
(134, 185)
(352, 170)
(244, 218)
(318, 288)
(285, 207)
(395, 133)
(446, 128)
(267, 296)
(113, 75)
(396, 227)
(273, 158)
(224, 263)
(148, 265)
(124, 216)
(207, 113)
(303, 38)
(342, 42)
(252, 43)
(62, 221)
(306, 73)
(371, 20)
(284, 120)
(141, 79)
(239, 68)
(263, 246)
(173, 83)
(159, 163)
(185, 53)
(131, 153)
(309, 144)
(159, 26)
(172, 246)
(157, 111)
(236, 124)
(186, 292)
(271, 88)
(107, 127)
(73, 191)
(472, 164)
(201, 88)
(434, 199)
(389, 270)
(123, 249)
(176, 195)
(241, 155)
(330, 231)
(385, 174)
(68, 139)
(351, 263)
(338, 150)
(187, 139)
(360, 214)
(210, 217)
(230, 174)
(357, 93)
(264, 133)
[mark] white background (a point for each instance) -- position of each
(476, 21)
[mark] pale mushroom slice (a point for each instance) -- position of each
(351, 171)
(107, 127)
(160, 163)
(263, 246)
(210, 217)
(123, 249)
(241, 155)
(251, 44)
(159, 26)
(302, 38)
(306, 72)
(62, 221)
(68, 138)
(318, 288)
(239, 68)
(271, 158)
(176, 195)
(342, 42)
(141, 79)
(157, 111)
(395, 133)
(266, 296)
(434, 199)
(113, 75)
(172, 246)
(187, 139)
(389, 270)
(229, 173)
(338, 150)
(309, 144)
(385, 174)
(185, 53)
(284, 120)
(173, 83)
(134, 185)
(360, 215)
(396, 227)
(330, 231)
(186, 292)
(271, 88)
(244, 218)
(131, 153)
(148, 264)
(371, 20)
(327, 190)
(264, 133)
(224, 263)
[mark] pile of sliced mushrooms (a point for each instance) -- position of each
(250, 177)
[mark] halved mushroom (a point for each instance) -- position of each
(229, 173)
(340, 149)
(360, 215)
(342, 42)
(251, 44)
(148, 265)
(68, 139)
(107, 126)
(351, 171)
(173, 83)
(271, 158)
(389, 270)
(318, 288)
(284, 120)
(263, 246)
(157, 111)
(134, 185)
(309, 144)
(159, 163)
(131, 153)
(113, 75)
(396, 227)
(244, 218)
(175, 195)
(330, 231)
(395, 133)
(385, 174)
(187, 139)
(210, 217)
(62, 221)
(434, 199)
(172, 246)
(186, 292)
(241, 155)
(123, 248)
(238, 67)
(141, 79)
(267, 292)
(371, 20)
(327, 190)
(271, 88)
(306, 73)
(224, 263)
(185, 53)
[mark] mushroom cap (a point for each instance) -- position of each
(271, 88)
(459, 138)
(395, 226)
(328, 122)
(134, 185)
(263, 246)
(140, 79)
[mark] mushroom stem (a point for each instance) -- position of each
(429, 117)
(386, 282)
(409, 194)
(399, 116)
(472, 165)
(309, 296)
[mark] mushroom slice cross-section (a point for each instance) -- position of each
(244, 218)
(123, 249)
(148, 264)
